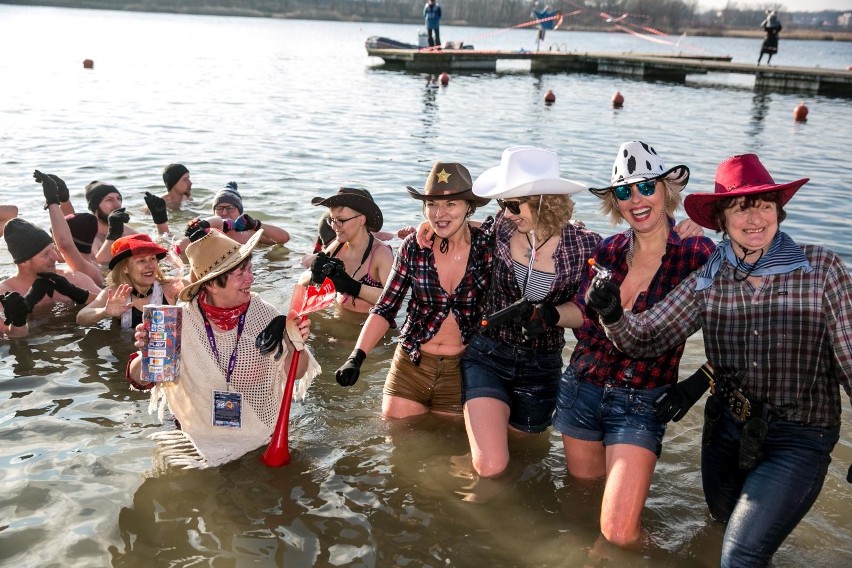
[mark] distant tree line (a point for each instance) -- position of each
(671, 16)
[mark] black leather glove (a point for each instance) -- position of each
(246, 223)
(116, 221)
(323, 266)
(344, 283)
(48, 187)
(64, 287)
(680, 397)
(538, 319)
(272, 337)
(196, 229)
(157, 207)
(41, 287)
(604, 296)
(64, 195)
(348, 374)
(15, 309)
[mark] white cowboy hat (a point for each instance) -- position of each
(524, 171)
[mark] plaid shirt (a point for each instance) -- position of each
(414, 268)
(787, 343)
(572, 252)
(595, 359)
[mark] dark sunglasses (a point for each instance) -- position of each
(514, 207)
(646, 188)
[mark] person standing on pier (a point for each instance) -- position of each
(772, 26)
(432, 15)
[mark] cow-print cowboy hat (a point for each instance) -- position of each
(638, 161)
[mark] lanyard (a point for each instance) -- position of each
(232, 362)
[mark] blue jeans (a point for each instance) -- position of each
(762, 506)
(526, 380)
(610, 414)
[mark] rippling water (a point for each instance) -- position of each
(293, 109)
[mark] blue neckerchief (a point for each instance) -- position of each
(783, 256)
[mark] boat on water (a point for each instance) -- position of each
(375, 43)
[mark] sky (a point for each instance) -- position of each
(789, 5)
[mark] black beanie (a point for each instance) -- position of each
(172, 174)
(24, 239)
(95, 193)
(84, 228)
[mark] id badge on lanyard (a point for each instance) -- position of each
(227, 408)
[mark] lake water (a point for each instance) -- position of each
(292, 110)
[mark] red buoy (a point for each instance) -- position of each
(549, 97)
(445, 79)
(800, 113)
(88, 64)
(617, 100)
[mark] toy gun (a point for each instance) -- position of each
(511, 312)
(602, 273)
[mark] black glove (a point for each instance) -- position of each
(679, 398)
(538, 319)
(64, 287)
(849, 474)
(157, 207)
(15, 309)
(64, 195)
(272, 337)
(196, 229)
(344, 283)
(604, 296)
(324, 266)
(49, 187)
(41, 287)
(246, 223)
(348, 374)
(116, 221)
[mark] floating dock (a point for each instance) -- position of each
(673, 68)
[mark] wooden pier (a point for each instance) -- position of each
(673, 68)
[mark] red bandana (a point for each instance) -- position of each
(223, 318)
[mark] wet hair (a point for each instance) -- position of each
(553, 212)
(609, 206)
(118, 275)
(221, 280)
(719, 207)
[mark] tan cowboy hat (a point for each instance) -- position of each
(448, 181)
(212, 255)
(358, 200)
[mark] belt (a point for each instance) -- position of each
(742, 407)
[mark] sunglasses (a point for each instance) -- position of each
(646, 188)
(332, 222)
(514, 207)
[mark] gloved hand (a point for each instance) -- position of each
(272, 337)
(15, 309)
(64, 195)
(246, 223)
(41, 287)
(680, 397)
(64, 287)
(344, 283)
(196, 229)
(849, 474)
(348, 374)
(324, 266)
(538, 318)
(48, 187)
(604, 296)
(116, 221)
(157, 207)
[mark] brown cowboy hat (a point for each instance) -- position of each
(358, 199)
(446, 181)
(212, 255)
(735, 177)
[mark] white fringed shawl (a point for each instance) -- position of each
(260, 378)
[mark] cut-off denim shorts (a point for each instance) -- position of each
(525, 379)
(611, 414)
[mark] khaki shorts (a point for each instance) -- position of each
(436, 383)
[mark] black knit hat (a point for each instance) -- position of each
(84, 228)
(95, 193)
(24, 239)
(172, 174)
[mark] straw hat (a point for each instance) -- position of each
(638, 161)
(735, 177)
(212, 255)
(357, 199)
(447, 181)
(524, 171)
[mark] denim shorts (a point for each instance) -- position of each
(610, 414)
(525, 379)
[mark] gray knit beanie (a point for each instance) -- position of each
(229, 195)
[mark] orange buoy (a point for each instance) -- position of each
(549, 97)
(617, 100)
(800, 113)
(445, 79)
(88, 64)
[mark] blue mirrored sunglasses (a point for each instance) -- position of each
(646, 188)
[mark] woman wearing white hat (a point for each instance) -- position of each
(777, 326)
